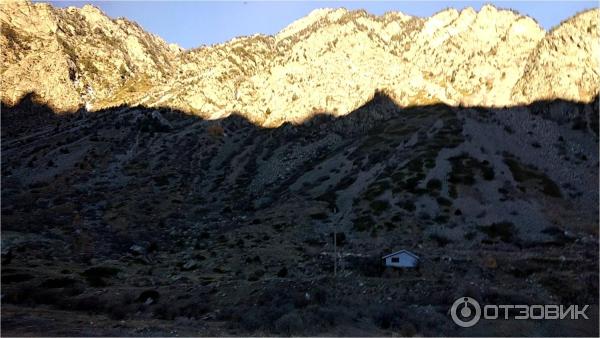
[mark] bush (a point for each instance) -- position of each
(366, 266)
(256, 275)
(96, 275)
(289, 324)
(522, 173)
(434, 184)
(377, 189)
(319, 216)
(251, 320)
(464, 168)
(363, 223)
(388, 316)
(90, 304)
(441, 240)
(148, 294)
(503, 230)
(444, 201)
(194, 308)
(488, 173)
(379, 206)
(407, 205)
(282, 272)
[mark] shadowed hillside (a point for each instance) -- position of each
(136, 217)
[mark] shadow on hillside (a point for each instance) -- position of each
(155, 202)
(28, 116)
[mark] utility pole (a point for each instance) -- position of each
(334, 250)
(335, 245)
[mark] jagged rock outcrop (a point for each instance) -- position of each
(333, 61)
(566, 62)
(70, 57)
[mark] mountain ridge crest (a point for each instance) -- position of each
(331, 60)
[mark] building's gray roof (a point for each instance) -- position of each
(401, 252)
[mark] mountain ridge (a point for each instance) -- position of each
(456, 57)
(252, 187)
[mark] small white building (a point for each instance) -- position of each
(401, 259)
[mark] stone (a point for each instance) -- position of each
(190, 265)
(137, 250)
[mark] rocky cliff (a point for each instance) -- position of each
(73, 57)
(333, 61)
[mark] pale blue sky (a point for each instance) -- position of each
(194, 23)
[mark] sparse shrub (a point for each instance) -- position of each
(89, 304)
(323, 178)
(444, 201)
(488, 173)
(565, 291)
(379, 206)
(117, 311)
(54, 283)
(161, 180)
(290, 324)
(464, 168)
(387, 316)
(319, 296)
(15, 278)
(366, 266)
(452, 191)
(363, 223)
(251, 320)
(407, 330)
(148, 294)
(256, 275)
(282, 272)
(377, 189)
(407, 205)
(329, 197)
(319, 216)
(434, 184)
(441, 240)
(96, 276)
(503, 230)
(522, 174)
(323, 317)
(470, 235)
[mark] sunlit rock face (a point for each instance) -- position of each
(565, 63)
(70, 57)
(332, 61)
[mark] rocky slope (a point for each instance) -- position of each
(571, 51)
(73, 57)
(331, 61)
(152, 222)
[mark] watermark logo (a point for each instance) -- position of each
(466, 312)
